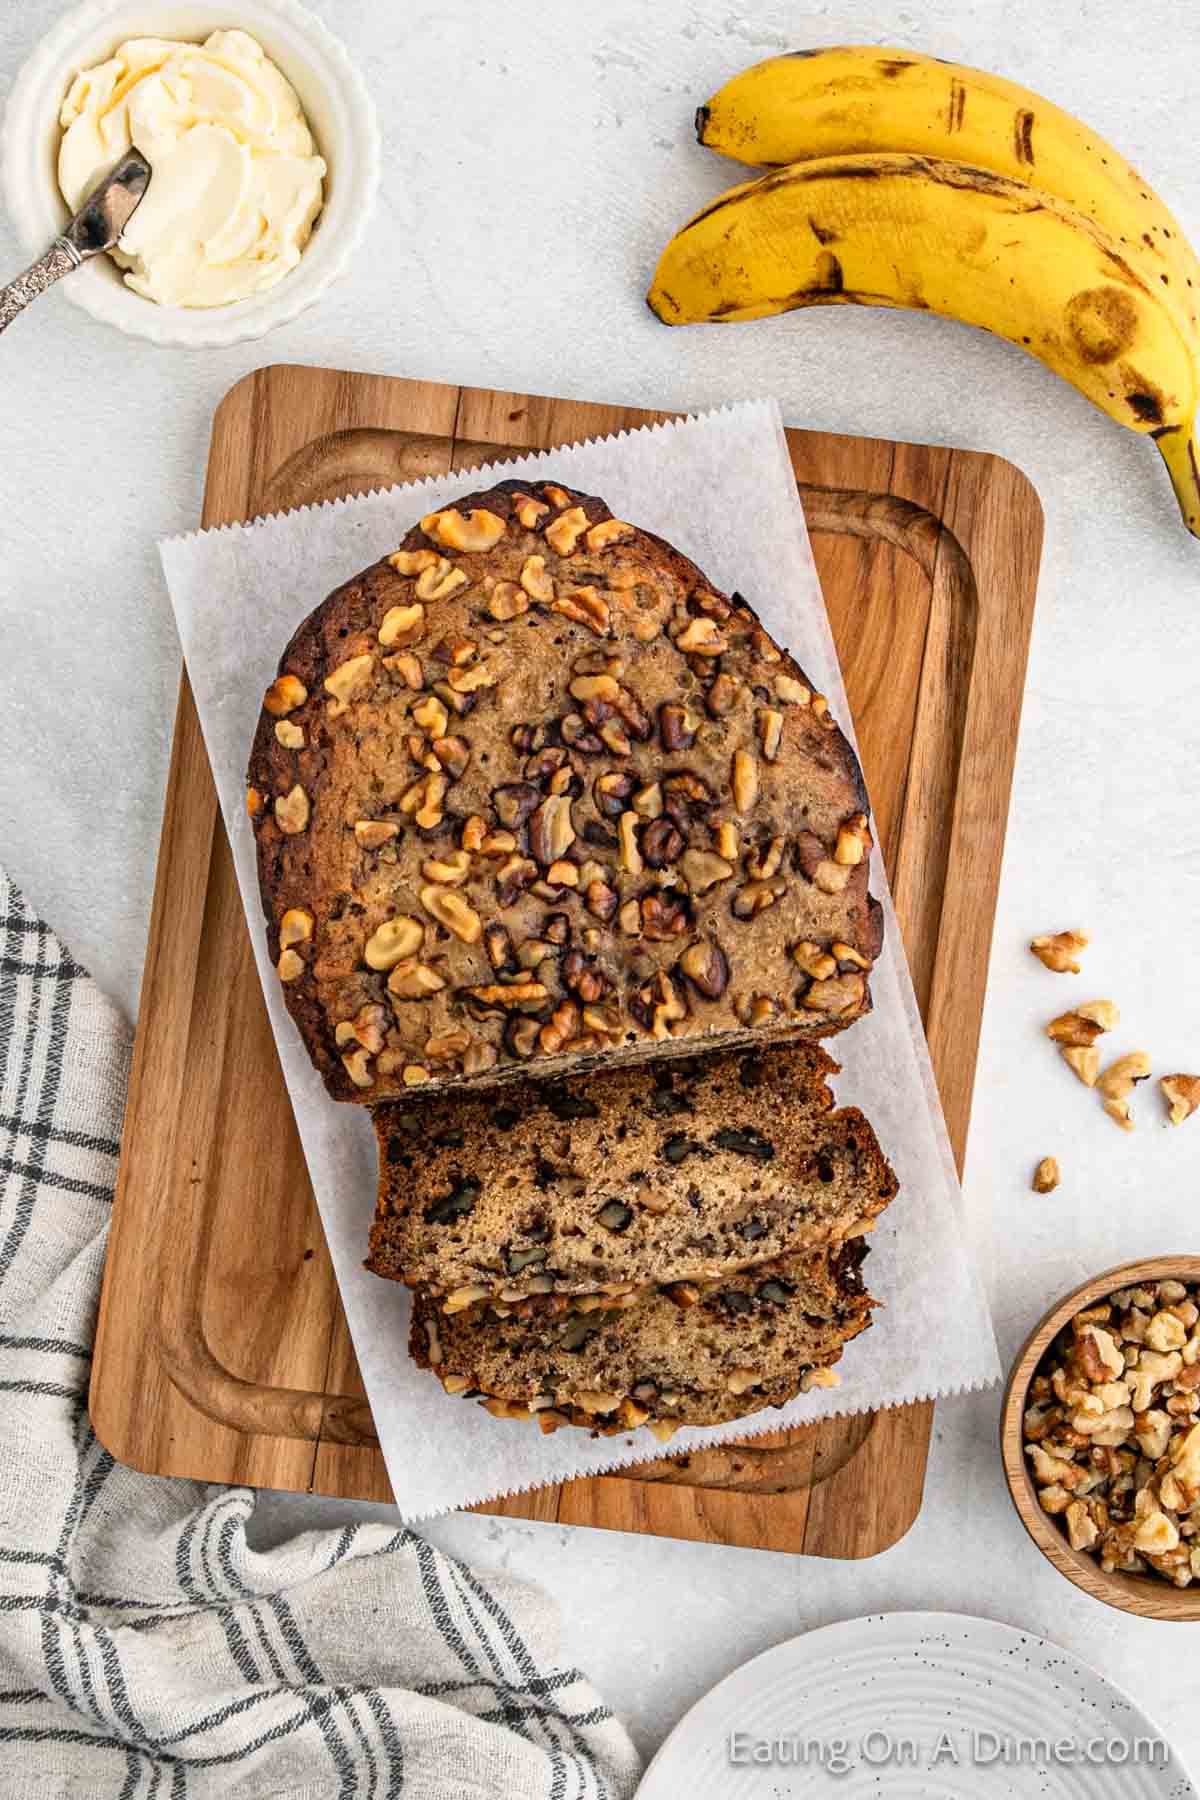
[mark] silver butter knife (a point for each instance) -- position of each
(96, 226)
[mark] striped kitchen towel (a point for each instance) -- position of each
(146, 1651)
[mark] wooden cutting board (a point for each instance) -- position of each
(222, 1351)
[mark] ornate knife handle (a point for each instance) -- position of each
(58, 261)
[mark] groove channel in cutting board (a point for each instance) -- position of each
(222, 1351)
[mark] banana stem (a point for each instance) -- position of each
(1179, 447)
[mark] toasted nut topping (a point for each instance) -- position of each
(292, 811)
(408, 668)
(441, 1048)
(701, 637)
(846, 953)
(1046, 1176)
(564, 534)
(558, 495)
(295, 927)
(745, 780)
(563, 874)
(770, 730)
(1084, 1024)
(831, 877)
(402, 625)
(479, 531)
(551, 830)
(373, 832)
(740, 1381)
(440, 580)
(631, 856)
(609, 531)
(791, 691)
(508, 601)
(707, 968)
(469, 681)
(412, 980)
(451, 869)
(289, 966)
(424, 801)
(595, 687)
(534, 579)
(284, 695)
(392, 941)
(648, 801)
(853, 840)
(819, 1378)
(529, 510)
(587, 606)
(756, 896)
(763, 863)
(253, 802)
(452, 911)
(289, 735)
(453, 754)
(1182, 1095)
(455, 651)
(1084, 1060)
(590, 1401)
(431, 716)
(814, 961)
(844, 993)
(349, 676)
(357, 1065)
(727, 840)
(702, 869)
(411, 562)
(1061, 952)
(1118, 1082)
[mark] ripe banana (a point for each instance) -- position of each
(864, 100)
(945, 237)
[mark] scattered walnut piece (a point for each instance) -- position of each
(1084, 1060)
(1118, 1082)
(1084, 1024)
(1060, 951)
(1182, 1095)
(1046, 1176)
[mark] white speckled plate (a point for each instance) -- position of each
(938, 1706)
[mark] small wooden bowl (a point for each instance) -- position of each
(1150, 1596)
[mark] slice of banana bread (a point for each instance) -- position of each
(530, 794)
(624, 1179)
(715, 1352)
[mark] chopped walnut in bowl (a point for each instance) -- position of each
(1101, 1437)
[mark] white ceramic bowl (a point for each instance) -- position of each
(332, 93)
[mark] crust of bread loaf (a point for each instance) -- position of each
(354, 756)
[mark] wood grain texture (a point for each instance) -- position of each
(1150, 1596)
(222, 1350)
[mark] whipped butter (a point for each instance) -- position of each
(236, 179)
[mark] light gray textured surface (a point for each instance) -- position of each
(533, 165)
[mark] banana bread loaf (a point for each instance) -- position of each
(720, 1351)
(529, 794)
(626, 1178)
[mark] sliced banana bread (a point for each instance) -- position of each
(529, 793)
(623, 1179)
(718, 1351)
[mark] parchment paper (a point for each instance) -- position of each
(720, 488)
